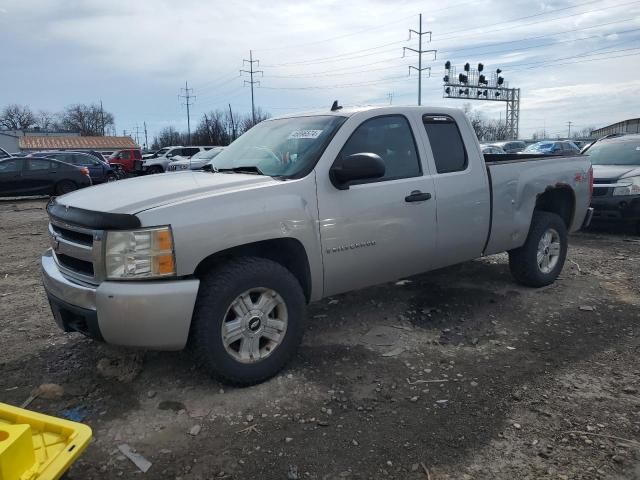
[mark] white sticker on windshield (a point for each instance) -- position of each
(305, 134)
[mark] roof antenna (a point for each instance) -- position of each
(335, 106)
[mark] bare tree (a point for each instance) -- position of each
(88, 120)
(45, 120)
(17, 117)
(486, 130)
(168, 136)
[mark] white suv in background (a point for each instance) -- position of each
(196, 162)
(164, 156)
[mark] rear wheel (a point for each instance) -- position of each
(65, 186)
(155, 169)
(248, 320)
(540, 260)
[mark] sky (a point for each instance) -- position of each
(575, 61)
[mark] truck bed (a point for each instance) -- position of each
(516, 181)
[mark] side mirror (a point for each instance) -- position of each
(359, 166)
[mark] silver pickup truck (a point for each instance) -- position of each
(299, 208)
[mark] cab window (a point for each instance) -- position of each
(391, 138)
(449, 153)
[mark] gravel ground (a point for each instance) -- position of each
(460, 373)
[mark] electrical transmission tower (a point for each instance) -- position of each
(146, 141)
(419, 51)
(569, 123)
(251, 82)
(187, 102)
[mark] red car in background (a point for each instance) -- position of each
(127, 158)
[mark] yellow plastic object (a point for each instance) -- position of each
(34, 446)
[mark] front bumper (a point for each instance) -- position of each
(146, 314)
(616, 208)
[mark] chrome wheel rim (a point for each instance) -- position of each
(254, 325)
(548, 251)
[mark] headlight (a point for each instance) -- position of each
(139, 254)
(629, 186)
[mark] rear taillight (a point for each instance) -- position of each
(590, 181)
(85, 171)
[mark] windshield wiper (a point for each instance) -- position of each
(250, 169)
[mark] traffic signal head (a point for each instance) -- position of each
(446, 79)
(498, 71)
(463, 78)
(447, 91)
(483, 80)
(466, 67)
(480, 67)
(500, 80)
(447, 65)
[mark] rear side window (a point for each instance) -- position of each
(190, 151)
(35, 164)
(446, 142)
(126, 155)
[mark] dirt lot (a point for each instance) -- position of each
(460, 370)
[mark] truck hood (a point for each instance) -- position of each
(142, 193)
(615, 171)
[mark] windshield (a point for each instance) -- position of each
(162, 151)
(615, 153)
(280, 148)
(536, 147)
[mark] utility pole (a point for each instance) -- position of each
(233, 125)
(187, 97)
(251, 82)
(102, 117)
(419, 69)
(137, 134)
(124, 133)
(146, 141)
(569, 123)
(390, 95)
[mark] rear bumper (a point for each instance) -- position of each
(618, 208)
(155, 315)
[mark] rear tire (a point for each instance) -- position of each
(155, 169)
(248, 320)
(540, 260)
(65, 186)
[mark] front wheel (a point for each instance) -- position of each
(248, 320)
(155, 169)
(540, 260)
(111, 177)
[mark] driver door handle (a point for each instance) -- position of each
(417, 196)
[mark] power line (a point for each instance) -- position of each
(419, 68)
(187, 96)
(251, 82)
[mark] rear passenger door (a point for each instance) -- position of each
(462, 192)
(38, 177)
(11, 177)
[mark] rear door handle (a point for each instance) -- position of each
(417, 196)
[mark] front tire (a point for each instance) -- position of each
(248, 320)
(540, 260)
(155, 169)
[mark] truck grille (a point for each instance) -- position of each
(602, 186)
(77, 250)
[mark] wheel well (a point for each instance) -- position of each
(558, 200)
(288, 252)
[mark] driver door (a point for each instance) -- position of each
(382, 229)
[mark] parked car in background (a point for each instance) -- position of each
(616, 171)
(160, 162)
(4, 154)
(492, 149)
(196, 162)
(560, 147)
(20, 176)
(511, 146)
(300, 208)
(127, 158)
(98, 170)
